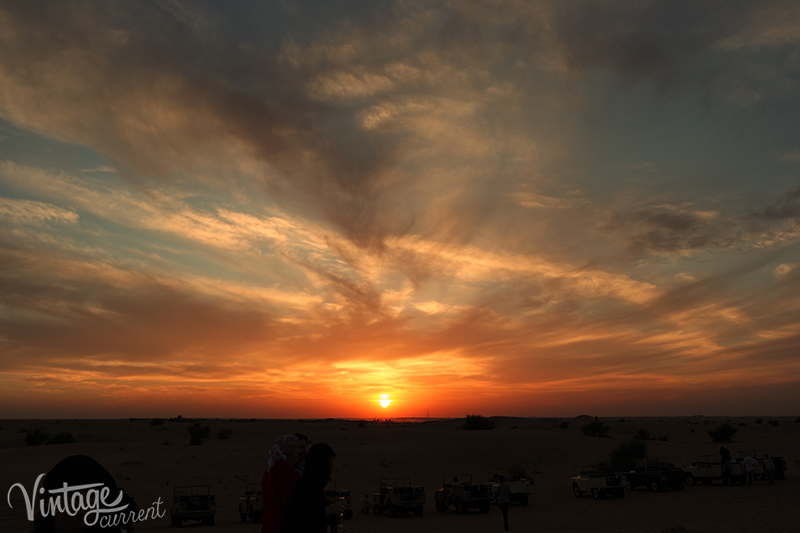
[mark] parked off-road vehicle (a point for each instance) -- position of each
(397, 496)
(251, 505)
(737, 472)
(193, 503)
(520, 487)
(655, 473)
(342, 496)
(598, 481)
(705, 469)
(459, 491)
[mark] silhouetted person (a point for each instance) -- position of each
(78, 470)
(725, 459)
(769, 469)
(749, 463)
(309, 508)
(278, 482)
(364, 505)
(503, 499)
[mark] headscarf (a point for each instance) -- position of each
(318, 462)
(283, 447)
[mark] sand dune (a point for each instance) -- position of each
(149, 461)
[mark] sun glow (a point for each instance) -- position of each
(385, 401)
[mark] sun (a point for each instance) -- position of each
(385, 401)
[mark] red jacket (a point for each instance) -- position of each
(276, 488)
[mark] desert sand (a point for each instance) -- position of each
(148, 461)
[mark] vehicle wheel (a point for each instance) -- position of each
(690, 480)
(485, 507)
(576, 491)
(440, 506)
(418, 510)
(596, 494)
(460, 507)
(242, 516)
(654, 486)
(523, 499)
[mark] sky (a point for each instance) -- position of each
(289, 209)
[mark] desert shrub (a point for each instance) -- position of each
(759, 420)
(625, 456)
(157, 422)
(643, 434)
(723, 433)
(478, 422)
(596, 428)
(362, 423)
(741, 424)
(198, 433)
(564, 424)
(774, 423)
(664, 438)
(35, 437)
(224, 433)
(65, 437)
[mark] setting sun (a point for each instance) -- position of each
(385, 401)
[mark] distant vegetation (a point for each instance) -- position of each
(65, 437)
(564, 424)
(723, 433)
(157, 422)
(478, 422)
(624, 458)
(35, 437)
(224, 433)
(643, 434)
(596, 428)
(198, 433)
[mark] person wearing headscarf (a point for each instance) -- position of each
(278, 482)
(309, 509)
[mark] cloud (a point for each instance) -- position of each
(548, 194)
(33, 212)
